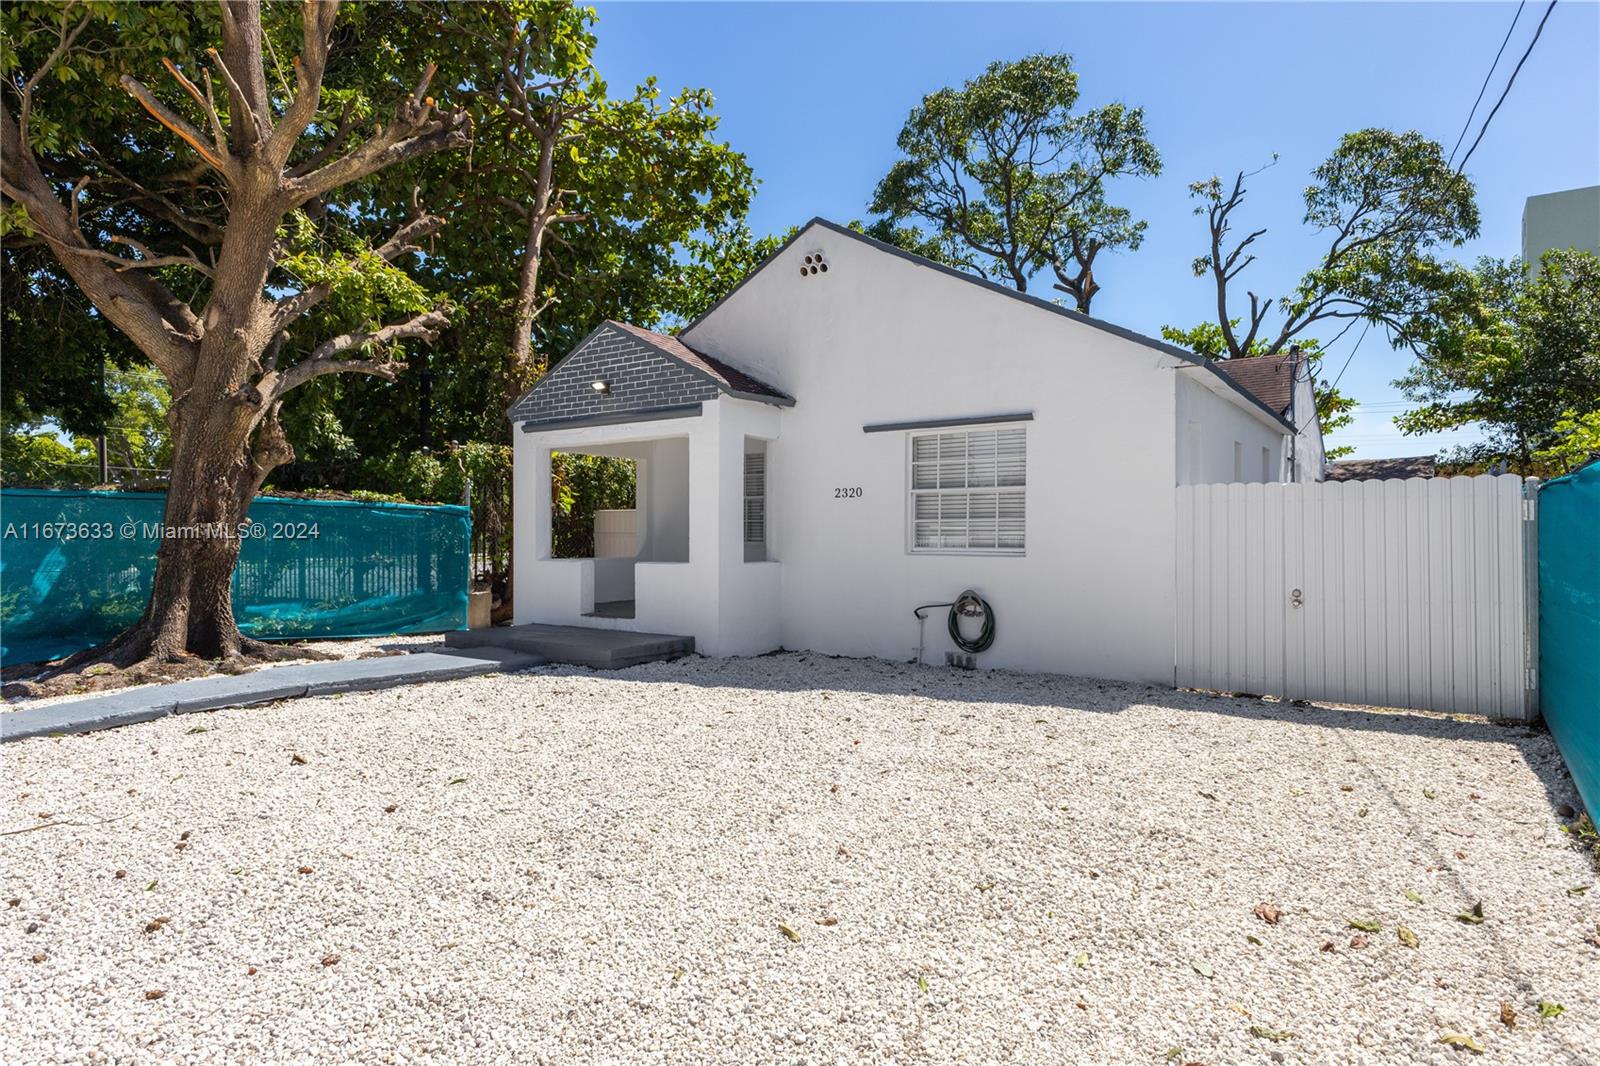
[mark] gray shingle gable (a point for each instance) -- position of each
(641, 379)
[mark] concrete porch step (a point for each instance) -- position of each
(600, 649)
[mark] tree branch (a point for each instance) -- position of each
(185, 132)
(400, 242)
(321, 361)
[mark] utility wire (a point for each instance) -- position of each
(1465, 126)
(1349, 357)
(1509, 82)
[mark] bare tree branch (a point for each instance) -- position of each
(321, 361)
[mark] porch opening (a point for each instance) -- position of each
(620, 505)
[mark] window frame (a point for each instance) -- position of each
(911, 492)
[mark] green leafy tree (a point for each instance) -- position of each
(1012, 179)
(1517, 354)
(219, 226)
(1334, 409)
(1383, 201)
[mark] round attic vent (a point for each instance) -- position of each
(813, 264)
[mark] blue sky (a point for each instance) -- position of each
(814, 94)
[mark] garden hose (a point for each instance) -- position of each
(967, 605)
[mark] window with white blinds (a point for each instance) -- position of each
(755, 498)
(968, 490)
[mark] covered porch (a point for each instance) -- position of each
(693, 557)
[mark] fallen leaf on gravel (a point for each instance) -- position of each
(1407, 937)
(1238, 1008)
(677, 975)
(1430, 793)
(1208, 795)
(1461, 855)
(984, 886)
(1508, 1016)
(120, 874)
(1174, 1054)
(1550, 1010)
(391, 808)
(1297, 792)
(180, 845)
(151, 887)
(783, 927)
(1359, 941)
(1277, 1036)
(1203, 969)
(922, 984)
(458, 780)
(1082, 960)
(1364, 926)
(296, 760)
(827, 921)
(1472, 917)
(1362, 813)
(1413, 896)
(155, 993)
(305, 869)
(329, 960)
(1327, 946)
(1253, 939)
(1461, 1040)
(250, 971)
(16, 901)
(40, 957)
(1577, 890)
(1268, 913)
(198, 729)
(156, 925)
(1347, 788)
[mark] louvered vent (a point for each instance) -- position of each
(755, 498)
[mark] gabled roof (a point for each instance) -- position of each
(972, 279)
(1269, 378)
(730, 379)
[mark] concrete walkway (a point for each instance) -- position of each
(146, 702)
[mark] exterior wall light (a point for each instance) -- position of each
(601, 388)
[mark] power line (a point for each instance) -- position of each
(1460, 167)
(1351, 356)
(1465, 126)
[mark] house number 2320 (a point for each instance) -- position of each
(847, 494)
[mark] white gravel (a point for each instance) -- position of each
(979, 868)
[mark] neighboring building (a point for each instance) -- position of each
(1569, 219)
(855, 431)
(1382, 469)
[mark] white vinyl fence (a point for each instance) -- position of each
(616, 533)
(1402, 593)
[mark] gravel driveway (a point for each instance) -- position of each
(793, 859)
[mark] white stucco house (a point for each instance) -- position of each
(855, 431)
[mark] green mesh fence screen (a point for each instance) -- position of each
(1569, 623)
(76, 566)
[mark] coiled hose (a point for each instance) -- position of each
(967, 605)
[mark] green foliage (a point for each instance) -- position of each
(1517, 354)
(1012, 179)
(1577, 443)
(1334, 409)
(37, 457)
(582, 485)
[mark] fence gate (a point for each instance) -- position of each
(1402, 593)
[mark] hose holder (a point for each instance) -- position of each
(967, 605)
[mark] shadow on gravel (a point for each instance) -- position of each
(812, 672)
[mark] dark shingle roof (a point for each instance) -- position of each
(1269, 378)
(1382, 469)
(730, 378)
